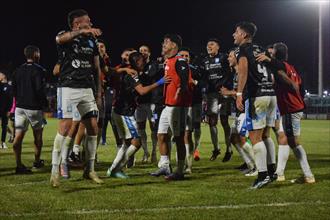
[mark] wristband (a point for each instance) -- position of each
(160, 82)
(239, 94)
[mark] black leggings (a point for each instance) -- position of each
(4, 124)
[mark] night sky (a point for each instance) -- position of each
(132, 23)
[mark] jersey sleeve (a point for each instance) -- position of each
(182, 69)
(131, 81)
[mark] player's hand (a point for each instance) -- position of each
(131, 71)
(91, 31)
(239, 103)
(167, 79)
(224, 91)
(263, 58)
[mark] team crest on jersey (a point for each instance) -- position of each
(217, 60)
(75, 63)
(91, 43)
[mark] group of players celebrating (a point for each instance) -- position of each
(169, 94)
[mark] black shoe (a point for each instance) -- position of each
(242, 167)
(227, 156)
(164, 171)
(131, 162)
(273, 177)
(23, 170)
(38, 164)
(215, 154)
(259, 183)
(174, 177)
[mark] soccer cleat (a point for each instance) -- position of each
(4, 146)
(93, 176)
(301, 180)
(242, 167)
(55, 180)
(65, 172)
(273, 177)
(10, 139)
(215, 154)
(145, 158)
(252, 172)
(119, 175)
(23, 170)
(259, 183)
(188, 171)
(174, 177)
(163, 171)
(227, 156)
(280, 178)
(131, 162)
(196, 155)
(38, 164)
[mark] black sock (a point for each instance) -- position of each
(262, 175)
(271, 169)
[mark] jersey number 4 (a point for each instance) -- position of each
(262, 69)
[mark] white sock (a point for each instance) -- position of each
(65, 149)
(76, 149)
(119, 146)
(283, 156)
(143, 135)
(129, 152)
(180, 168)
(164, 161)
(197, 137)
(300, 154)
(91, 142)
(247, 147)
(119, 157)
(244, 156)
(56, 153)
(260, 153)
(214, 137)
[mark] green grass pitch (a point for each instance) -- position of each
(214, 191)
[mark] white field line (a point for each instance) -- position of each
(27, 183)
(177, 208)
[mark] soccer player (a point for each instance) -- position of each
(29, 91)
(77, 71)
(123, 115)
(238, 129)
(143, 110)
(6, 100)
(174, 114)
(216, 73)
(260, 104)
(291, 105)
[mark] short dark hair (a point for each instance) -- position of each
(270, 46)
(174, 38)
(185, 49)
(281, 51)
(75, 14)
(30, 50)
(214, 40)
(248, 27)
(133, 58)
(144, 45)
(128, 49)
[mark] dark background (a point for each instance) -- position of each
(132, 23)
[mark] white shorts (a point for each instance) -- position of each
(143, 112)
(260, 112)
(74, 102)
(24, 117)
(239, 126)
(174, 118)
(291, 124)
(197, 113)
(212, 103)
(126, 126)
(189, 119)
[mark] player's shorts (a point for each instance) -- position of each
(189, 119)
(291, 124)
(239, 125)
(75, 102)
(126, 126)
(212, 102)
(143, 112)
(174, 118)
(24, 117)
(225, 105)
(260, 112)
(197, 113)
(156, 110)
